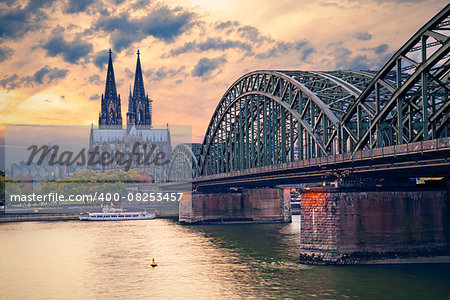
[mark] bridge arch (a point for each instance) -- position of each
(183, 162)
(270, 117)
(416, 107)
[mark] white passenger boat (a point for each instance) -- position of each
(116, 214)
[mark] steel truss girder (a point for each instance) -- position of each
(315, 105)
(419, 73)
(265, 115)
(183, 163)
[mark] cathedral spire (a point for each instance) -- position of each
(130, 103)
(111, 114)
(139, 91)
(110, 88)
(138, 108)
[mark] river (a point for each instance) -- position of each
(104, 260)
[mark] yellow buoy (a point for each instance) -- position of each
(153, 263)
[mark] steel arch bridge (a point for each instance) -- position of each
(271, 117)
(183, 162)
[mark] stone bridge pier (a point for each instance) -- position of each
(262, 205)
(367, 225)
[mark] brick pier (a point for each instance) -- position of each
(265, 205)
(348, 226)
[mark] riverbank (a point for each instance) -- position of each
(442, 259)
(5, 218)
(35, 217)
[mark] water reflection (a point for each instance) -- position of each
(112, 260)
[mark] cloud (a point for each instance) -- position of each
(300, 44)
(100, 59)
(226, 25)
(344, 59)
(5, 53)
(211, 44)
(17, 21)
(71, 51)
(165, 24)
(139, 4)
(49, 73)
(162, 23)
(333, 4)
(249, 33)
(77, 6)
(280, 48)
(205, 67)
(12, 23)
(164, 72)
(380, 49)
(304, 48)
(45, 75)
(94, 97)
(359, 62)
(10, 83)
(130, 74)
(306, 52)
(362, 36)
(277, 50)
(252, 34)
(95, 79)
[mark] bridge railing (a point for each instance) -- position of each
(376, 153)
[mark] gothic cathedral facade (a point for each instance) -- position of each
(139, 104)
(112, 137)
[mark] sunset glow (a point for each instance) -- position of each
(53, 65)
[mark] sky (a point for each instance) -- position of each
(53, 54)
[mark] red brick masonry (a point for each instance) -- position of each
(248, 205)
(360, 226)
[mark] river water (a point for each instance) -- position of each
(104, 260)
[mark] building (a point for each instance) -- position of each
(139, 105)
(34, 173)
(138, 138)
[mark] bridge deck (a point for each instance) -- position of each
(433, 153)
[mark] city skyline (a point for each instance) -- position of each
(54, 64)
(244, 149)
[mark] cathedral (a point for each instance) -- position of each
(139, 105)
(138, 136)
